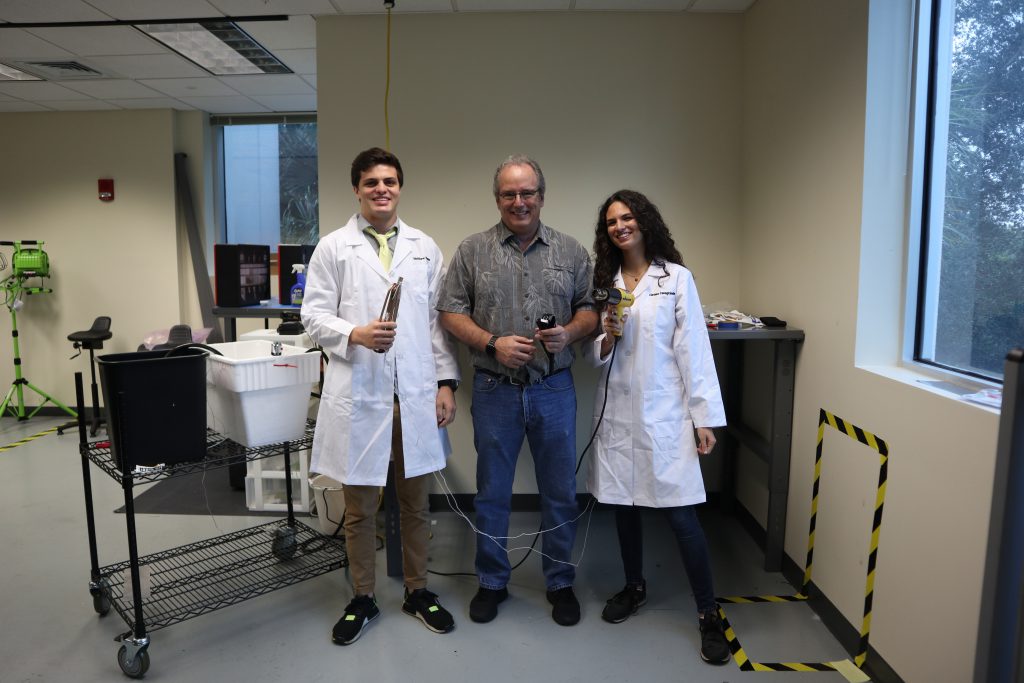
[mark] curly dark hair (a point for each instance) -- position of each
(659, 246)
(375, 156)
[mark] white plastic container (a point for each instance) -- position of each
(302, 340)
(256, 398)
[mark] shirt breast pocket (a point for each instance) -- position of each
(558, 281)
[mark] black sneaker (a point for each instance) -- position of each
(360, 612)
(565, 608)
(423, 605)
(625, 603)
(484, 605)
(714, 649)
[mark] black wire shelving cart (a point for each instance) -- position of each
(204, 576)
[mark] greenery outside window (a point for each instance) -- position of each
(269, 193)
(971, 292)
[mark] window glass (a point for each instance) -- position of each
(270, 184)
(971, 310)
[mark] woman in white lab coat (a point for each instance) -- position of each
(663, 399)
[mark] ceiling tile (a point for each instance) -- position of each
(722, 5)
(189, 87)
(39, 91)
(107, 89)
(299, 61)
(19, 44)
(80, 105)
(240, 8)
(157, 9)
(19, 105)
(298, 32)
(34, 10)
(151, 103)
(268, 84)
(406, 6)
(633, 5)
(287, 102)
(511, 5)
(100, 40)
(225, 105)
(148, 66)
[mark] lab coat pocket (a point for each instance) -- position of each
(667, 436)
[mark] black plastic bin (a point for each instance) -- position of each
(156, 406)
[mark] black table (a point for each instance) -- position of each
(271, 309)
(774, 447)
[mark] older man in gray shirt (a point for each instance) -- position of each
(508, 290)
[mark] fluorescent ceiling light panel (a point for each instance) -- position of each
(220, 47)
(9, 73)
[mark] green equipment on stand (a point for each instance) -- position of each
(28, 261)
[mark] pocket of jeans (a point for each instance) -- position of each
(483, 384)
(559, 382)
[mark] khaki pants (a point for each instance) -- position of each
(361, 504)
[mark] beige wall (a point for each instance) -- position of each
(117, 258)
(803, 170)
(603, 101)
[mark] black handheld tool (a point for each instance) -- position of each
(546, 322)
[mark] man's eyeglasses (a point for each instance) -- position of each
(525, 195)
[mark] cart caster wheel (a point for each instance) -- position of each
(135, 667)
(101, 598)
(284, 545)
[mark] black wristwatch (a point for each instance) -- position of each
(453, 384)
(492, 350)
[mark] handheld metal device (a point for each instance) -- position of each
(389, 311)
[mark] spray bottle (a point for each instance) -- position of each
(299, 288)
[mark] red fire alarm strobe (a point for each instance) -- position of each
(106, 189)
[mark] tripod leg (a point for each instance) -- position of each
(49, 398)
(7, 401)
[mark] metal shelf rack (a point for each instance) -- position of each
(184, 582)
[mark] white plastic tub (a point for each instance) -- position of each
(256, 398)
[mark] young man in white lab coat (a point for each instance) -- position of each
(389, 387)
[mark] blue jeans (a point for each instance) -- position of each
(693, 547)
(544, 413)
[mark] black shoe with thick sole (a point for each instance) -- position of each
(565, 608)
(484, 605)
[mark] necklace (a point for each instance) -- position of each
(636, 278)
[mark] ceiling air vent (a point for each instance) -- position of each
(61, 70)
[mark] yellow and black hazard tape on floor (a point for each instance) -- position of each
(741, 600)
(845, 667)
(27, 439)
(850, 670)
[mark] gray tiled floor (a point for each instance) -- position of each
(51, 633)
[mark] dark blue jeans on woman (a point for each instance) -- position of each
(692, 546)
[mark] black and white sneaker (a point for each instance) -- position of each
(625, 603)
(360, 612)
(714, 648)
(424, 605)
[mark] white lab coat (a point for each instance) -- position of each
(345, 287)
(663, 384)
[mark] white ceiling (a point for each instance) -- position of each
(140, 73)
